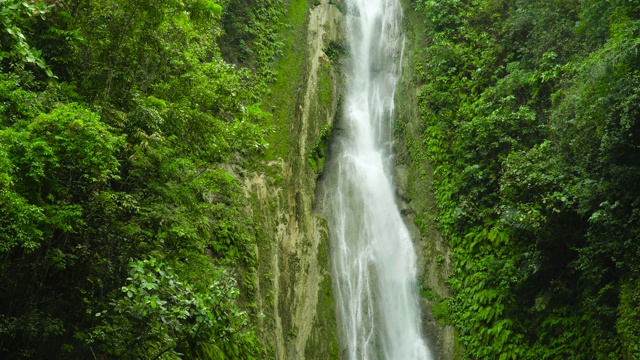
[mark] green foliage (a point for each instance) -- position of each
(253, 35)
(160, 316)
(56, 165)
(15, 47)
(19, 222)
(58, 160)
(336, 50)
(319, 152)
(535, 159)
(627, 322)
(132, 152)
(289, 72)
(441, 311)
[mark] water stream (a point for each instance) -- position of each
(373, 259)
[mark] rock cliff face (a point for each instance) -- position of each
(293, 283)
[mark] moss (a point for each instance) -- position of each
(289, 191)
(441, 311)
(325, 90)
(318, 153)
(325, 93)
(264, 213)
(427, 292)
(323, 246)
(323, 343)
(336, 50)
(290, 75)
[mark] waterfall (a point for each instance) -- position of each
(372, 257)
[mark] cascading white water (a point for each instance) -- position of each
(373, 260)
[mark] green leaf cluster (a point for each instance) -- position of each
(160, 316)
(14, 15)
(123, 231)
(529, 113)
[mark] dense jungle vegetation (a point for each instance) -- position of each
(122, 232)
(531, 119)
(123, 125)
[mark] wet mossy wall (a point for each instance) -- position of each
(293, 281)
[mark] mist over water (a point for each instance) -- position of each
(373, 259)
